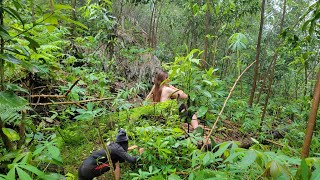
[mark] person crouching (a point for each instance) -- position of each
(97, 163)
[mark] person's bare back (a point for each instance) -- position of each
(170, 92)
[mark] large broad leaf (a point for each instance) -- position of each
(174, 177)
(52, 20)
(208, 158)
(274, 169)
(238, 42)
(202, 111)
(222, 148)
(23, 175)
(33, 169)
(304, 170)
(54, 152)
(9, 99)
(11, 174)
(248, 159)
(315, 174)
(11, 134)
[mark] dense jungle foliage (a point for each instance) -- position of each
(73, 72)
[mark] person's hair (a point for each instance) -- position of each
(160, 77)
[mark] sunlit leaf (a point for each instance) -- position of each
(11, 134)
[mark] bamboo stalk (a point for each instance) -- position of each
(70, 102)
(54, 96)
(225, 103)
(69, 90)
(46, 96)
(274, 142)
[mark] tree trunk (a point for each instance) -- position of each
(312, 119)
(274, 62)
(74, 17)
(256, 68)
(22, 129)
(32, 11)
(7, 143)
(121, 16)
(305, 78)
(263, 84)
(51, 2)
(151, 29)
(214, 54)
(204, 61)
(194, 34)
(156, 24)
(2, 62)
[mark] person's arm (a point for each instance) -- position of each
(132, 147)
(117, 171)
(124, 155)
(149, 96)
